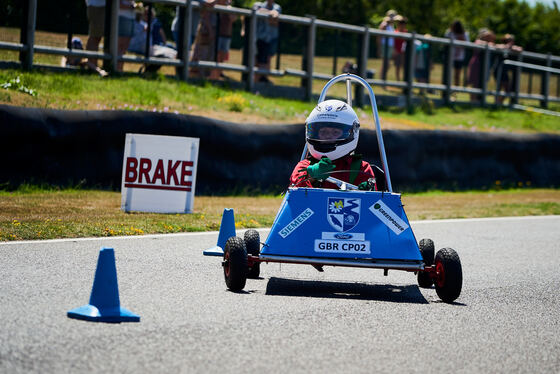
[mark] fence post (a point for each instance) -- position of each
(148, 31)
(448, 73)
(310, 58)
(499, 71)
(362, 66)
(113, 34)
(184, 39)
(411, 55)
(545, 85)
(27, 34)
(517, 82)
(484, 75)
(278, 50)
(251, 52)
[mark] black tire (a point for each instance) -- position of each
(427, 250)
(235, 264)
(253, 244)
(449, 280)
(254, 271)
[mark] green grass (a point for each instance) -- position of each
(43, 212)
(83, 91)
(463, 118)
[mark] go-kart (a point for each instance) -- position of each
(344, 227)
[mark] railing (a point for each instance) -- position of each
(27, 48)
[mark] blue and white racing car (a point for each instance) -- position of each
(344, 227)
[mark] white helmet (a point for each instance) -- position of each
(332, 130)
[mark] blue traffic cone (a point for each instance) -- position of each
(227, 230)
(104, 304)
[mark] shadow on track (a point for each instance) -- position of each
(360, 291)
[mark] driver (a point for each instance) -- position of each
(331, 133)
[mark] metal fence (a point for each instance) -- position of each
(521, 64)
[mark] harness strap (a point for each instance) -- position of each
(355, 167)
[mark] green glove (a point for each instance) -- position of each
(368, 185)
(321, 169)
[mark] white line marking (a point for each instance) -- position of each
(158, 236)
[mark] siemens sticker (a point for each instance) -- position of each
(342, 246)
(388, 217)
(290, 227)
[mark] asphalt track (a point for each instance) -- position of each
(294, 319)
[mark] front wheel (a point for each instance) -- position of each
(253, 244)
(427, 251)
(235, 264)
(449, 275)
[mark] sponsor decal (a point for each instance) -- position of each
(342, 246)
(341, 108)
(328, 108)
(343, 214)
(298, 221)
(343, 235)
(327, 116)
(388, 217)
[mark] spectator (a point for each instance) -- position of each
(225, 31)
(138, 40)
(423, 61)
(74, 61)
(158, 35)
(267, 35)
(204, 46)
(96, 19)
(195, 18)
(386, 44)
(457, 32)
(475, 77)
(502, 71)
(126, 27)
(399, 45)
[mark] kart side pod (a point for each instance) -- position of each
(353, 228)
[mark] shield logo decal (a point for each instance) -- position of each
(343, 214)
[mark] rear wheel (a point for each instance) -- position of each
(253, 244)
(235, 263)
(449, 275)
(427, 250)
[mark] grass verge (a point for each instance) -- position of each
(29, 214)
(83, 91)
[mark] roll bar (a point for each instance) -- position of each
(349, 78)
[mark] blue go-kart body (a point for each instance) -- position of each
(345, 227)
(352, 228)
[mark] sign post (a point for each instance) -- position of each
(159, 173)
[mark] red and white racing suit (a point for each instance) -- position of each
(343, 164)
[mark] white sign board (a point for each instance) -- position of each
(159, 173)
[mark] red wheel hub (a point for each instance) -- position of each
(226, 264)
(440, 274)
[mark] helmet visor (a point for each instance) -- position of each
(328, 131)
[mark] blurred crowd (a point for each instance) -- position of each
(392, 49)
(140, 32)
